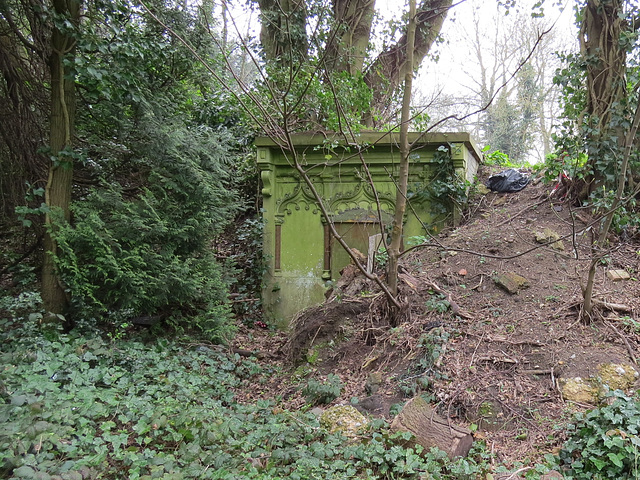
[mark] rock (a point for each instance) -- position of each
(618, 275)
(431, 430)
(511, 282)
(482, 189)
(579, 390)
(611, 376)
(343, 418)
(548, 236)
(317, 411)
(615, 376)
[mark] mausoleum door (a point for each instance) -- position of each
(357, 235)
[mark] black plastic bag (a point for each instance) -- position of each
(507, 181)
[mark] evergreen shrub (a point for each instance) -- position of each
(147, 252)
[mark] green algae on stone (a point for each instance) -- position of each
(343, 418)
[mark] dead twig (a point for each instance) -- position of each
(616, 307)
(517, 472)
(479, 283)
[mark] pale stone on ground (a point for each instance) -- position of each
(343, 418)
(618, 275)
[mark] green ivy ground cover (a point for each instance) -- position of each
(77, 406)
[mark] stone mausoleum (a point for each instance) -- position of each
(302, 256)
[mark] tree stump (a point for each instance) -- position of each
(431, 430)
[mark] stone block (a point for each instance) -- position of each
(511, 282)
(618, 275)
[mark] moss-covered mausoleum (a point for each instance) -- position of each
(302, 256)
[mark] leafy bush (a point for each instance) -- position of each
(77, 406)
(604, 443)
(246, 255)
(556, 164)
(445, 189)
(496, 158)
(317, 393)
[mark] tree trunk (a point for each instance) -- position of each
(385, 73)
(284, 41)
(605, 57)
(59, 182)
(431, 430)
(597, 252)
(283, 34)
(349, 38)
(403, 169)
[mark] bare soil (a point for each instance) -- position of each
(492, 359)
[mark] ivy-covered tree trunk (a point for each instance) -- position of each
(59, 182)
(604, 54)
(349, 39)
(605, 119)
(284, 35)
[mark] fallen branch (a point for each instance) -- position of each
(616, 307)
(536, 372)
(494, 359)
(504, 339)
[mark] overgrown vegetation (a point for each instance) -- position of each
(81, 405)
(604, 442)
(445, 189)
(317, 393)
(160, 171)
(77, 404)
(149, 254)
(154, 172)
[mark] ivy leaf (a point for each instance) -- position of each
(599, 463)
(18, 400)
(615, 459)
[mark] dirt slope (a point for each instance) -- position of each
(493, 358)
